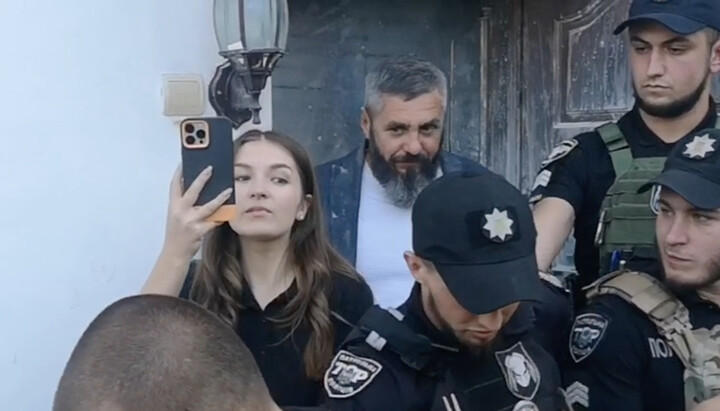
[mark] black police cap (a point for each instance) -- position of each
(681, 16)
(692, 169)
(478, 231)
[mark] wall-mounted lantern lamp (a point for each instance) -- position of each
(251, 35)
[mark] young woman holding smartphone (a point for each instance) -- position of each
(270, 272)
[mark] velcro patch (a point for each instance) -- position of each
(522, 376)
(587, 332)
(349, 374)
(559, 151)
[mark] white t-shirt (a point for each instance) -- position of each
(384, 234)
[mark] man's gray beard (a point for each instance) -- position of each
(400, 189)
(403, 192)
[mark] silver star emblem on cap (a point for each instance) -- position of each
(700, 147)
(498, 224)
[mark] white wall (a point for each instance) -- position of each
(86, 158)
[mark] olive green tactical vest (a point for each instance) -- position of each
(699, 350)
(627, 220)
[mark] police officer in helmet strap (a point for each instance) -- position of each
(588, 184)
(647, 344)
(462, 340)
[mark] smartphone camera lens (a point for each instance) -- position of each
(189, 128)
(200, 134)
(190, 140)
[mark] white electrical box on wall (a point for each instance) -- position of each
(183, 95)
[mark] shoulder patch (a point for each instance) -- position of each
(525, 405)
(542, 179)
(578, 393)
(522, 376)
(349, 374)
(559, 151)
(587, 332)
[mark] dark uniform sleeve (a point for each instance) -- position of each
(564, 174)
(360, 379)
(350, 299)
(550, 396)
(606, 358)
(553, 319)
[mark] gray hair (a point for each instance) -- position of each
(404, 77)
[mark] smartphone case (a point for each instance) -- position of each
(218, 153)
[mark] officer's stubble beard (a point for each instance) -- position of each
(675, 108)
(479, 351)
(712, 278)
(401, 189)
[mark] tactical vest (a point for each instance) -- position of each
(627, 222)
(626, 227)
(698, 351)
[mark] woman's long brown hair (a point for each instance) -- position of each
(217, 284)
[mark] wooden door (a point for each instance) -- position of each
(523, 74)
(575, 77)
(318, 86)
(575, 72)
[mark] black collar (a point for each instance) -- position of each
(648, 138)
(417, 320)
(693, 299)
(248, 301)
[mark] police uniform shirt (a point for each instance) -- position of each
(280, 358)
(580, 171)
(553, 319)
(519, 375)
(621, 363)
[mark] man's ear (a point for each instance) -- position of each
(715, 58)
(416, 266)
(365, 122)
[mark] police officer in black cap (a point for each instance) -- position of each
(646, 344)
(462, 339)
(673, 53)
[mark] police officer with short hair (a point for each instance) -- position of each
(462, 340)
(583, 186)
(643, 344)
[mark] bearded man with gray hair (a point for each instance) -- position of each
(368, 194)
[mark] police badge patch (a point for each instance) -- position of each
(700, 147)
(349, 374)
(588, 329)
(498, 226)
(522, 376)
